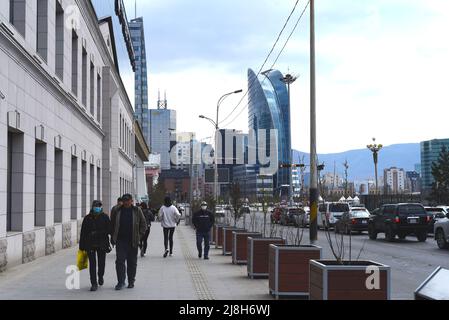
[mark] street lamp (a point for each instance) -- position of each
(375, 149)
(288, 80)
(216, 126)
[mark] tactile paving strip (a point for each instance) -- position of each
(198, 278)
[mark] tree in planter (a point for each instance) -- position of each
(236, 202)
(440, 173)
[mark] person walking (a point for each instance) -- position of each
(94, 239)
(169, 217)
(128, 227)
(118, 205)
(203, 220)
(149, 217)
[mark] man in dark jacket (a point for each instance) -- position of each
(128, 227)
(94, 239)
(149, 218)
(203, 221)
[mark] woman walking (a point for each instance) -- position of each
(169, 217)
(94, 239)
(149, 217)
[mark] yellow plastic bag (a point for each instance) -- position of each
(82, 260)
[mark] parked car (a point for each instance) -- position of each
(276, 215)
(441, 230)
(291, 216)
(435, 214)
(355, 220)
(330, 212)
(399, 220)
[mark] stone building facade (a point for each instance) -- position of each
(61, 101)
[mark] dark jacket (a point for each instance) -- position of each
(149, 216)
(139, 225)
(95, 232)
(203, 221)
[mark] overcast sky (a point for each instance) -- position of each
(382, 65)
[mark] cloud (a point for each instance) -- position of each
(382, 66)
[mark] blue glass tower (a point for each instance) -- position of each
(141, 113)
(268, 108)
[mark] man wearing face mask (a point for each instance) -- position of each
(203, 221)
(94, 239)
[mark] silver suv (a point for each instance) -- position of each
(441, 230)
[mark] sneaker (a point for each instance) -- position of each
(101, 281)
(119, 286)
(206, 258)
(94, 288)
(166, 254)
(142, 254)
(199, 255)
(131, 285)
(171, 255)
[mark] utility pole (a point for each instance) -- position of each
(313, 148)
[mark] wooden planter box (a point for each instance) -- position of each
(289, 268)
(227, 239)
(219, 236)
(332, 281)
(258, 249)
(212, 232)
(240, 246)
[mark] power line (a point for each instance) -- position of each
(266, 60)
(272, 66)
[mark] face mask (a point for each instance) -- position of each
(204, 208)
(98, 210)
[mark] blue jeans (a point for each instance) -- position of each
(199, 243)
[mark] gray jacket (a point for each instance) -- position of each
(139, 225)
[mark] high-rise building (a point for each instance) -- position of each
(269, 109)
(162, 132)
(394, 180)
(430, 152)
(141, 113)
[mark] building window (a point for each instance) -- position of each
(14, 189)
(40, 184)
(99, 99)
(59, 28)
(83, 188)
(17, 15)
(42, 29)
(99, 183)
(74, 63)
(84, 78)
(92, 183)
(58, 185)
(74, 189)
(92, 89)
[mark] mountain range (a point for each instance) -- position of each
(361, 165)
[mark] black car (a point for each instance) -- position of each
(434, 215)
(399, 220)
(355, 220)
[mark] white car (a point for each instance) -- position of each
(330, 212)
(441, 230)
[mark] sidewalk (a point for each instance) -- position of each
(181, 277)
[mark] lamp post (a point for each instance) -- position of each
(216, 126)
(288, 80)
(375, 149)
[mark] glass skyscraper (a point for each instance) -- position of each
(430, 153)
(268, 108)
(141, 113)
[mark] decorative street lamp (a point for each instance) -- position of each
(375, 149)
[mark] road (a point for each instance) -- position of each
(411, 261)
